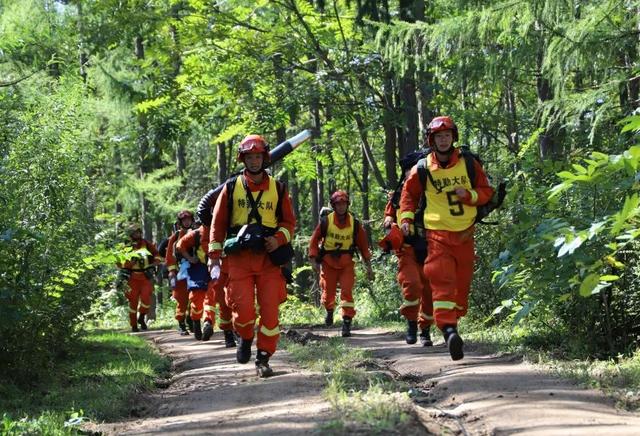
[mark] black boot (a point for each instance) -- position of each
(207, 330)
(143, 325)
(134, 329)
(425, 338)
(262, 364)
(229, 339)
(412, 332)
(454, 342)
(197, 329)
(243, 353)
(189, 322)
(182, 328)
(328, 320)
(346, 326)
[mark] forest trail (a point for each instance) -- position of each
(484, 394)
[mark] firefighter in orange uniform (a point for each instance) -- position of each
(453, 194)
(179, 287)
(253, 221)
(331, 250)
(417, 305)
(141, 273)
(190, 248)
(216, 294)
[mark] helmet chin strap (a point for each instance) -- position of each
(255, 173)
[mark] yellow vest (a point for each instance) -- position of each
(444, 210)
(337, 238)
(266, 206)
(142, 259)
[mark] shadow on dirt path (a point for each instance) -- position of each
(210, 393)
(484, 394)
(492, 394)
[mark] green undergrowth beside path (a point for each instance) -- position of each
(96, 382)
(363, 397)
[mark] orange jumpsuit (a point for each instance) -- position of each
(141, 287)
(451, 256)
(416, 292)
(338, 269)
(252, 274)
(216, 291)
(197, 295)
(180, 292)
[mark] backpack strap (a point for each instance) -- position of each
(469, 158)
(356, 225)
(324, 226)
(280, 188)
(253, 213)
(231, 186)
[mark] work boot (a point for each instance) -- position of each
(346, 326)
(207, 330)
(328, 320)
(197, 330)
(143, 325)
(229, 339)
(425, 338)
(454, 342)
(134, 329)
(262, 364)
(189, 322)
(182, 328)
(412, 332)
(243, 353)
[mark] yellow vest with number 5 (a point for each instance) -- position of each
(444, 209)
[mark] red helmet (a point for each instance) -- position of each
(439, 124)
(339, 196)
(393, 240)
(253, 144)
(185, 213)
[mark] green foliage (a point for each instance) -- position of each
(95, 381)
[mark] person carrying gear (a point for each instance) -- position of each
(453, 196)
(179, 289)
(253, 221)
(140, 269)
(216, 294)
(331, 250)
(191, 249)
(417, 305)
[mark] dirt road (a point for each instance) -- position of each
(483, 394)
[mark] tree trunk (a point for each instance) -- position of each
(547, 142)
(390, 142)
(365, 197)
(513, 142)
(222, 162)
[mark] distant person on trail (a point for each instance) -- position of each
(253, 221)
(140, 272)
(191, 248)
(331, 250)
(411, 250)
(179, 289)
(453, 189)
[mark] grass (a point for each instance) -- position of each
(362, 400)
(97, 381)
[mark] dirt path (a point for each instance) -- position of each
(481, 395)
